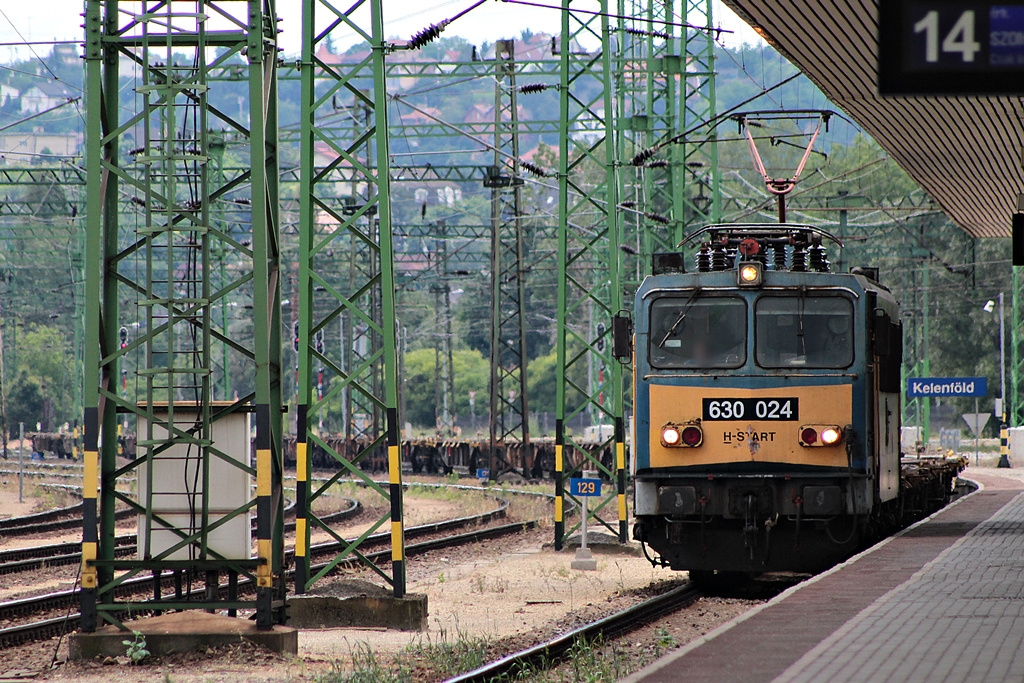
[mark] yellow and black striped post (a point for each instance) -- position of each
(620, 471)
(395, 493)
(264, 521)
(301, 498)
(559, 483)
(90, 492)
(1004, 445)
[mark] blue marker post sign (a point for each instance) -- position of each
(584, 488)
(927, 387)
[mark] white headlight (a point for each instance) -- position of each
(830, 435)
(671, 435)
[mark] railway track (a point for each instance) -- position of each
(40, 557)
(67, 600)
(544, 654)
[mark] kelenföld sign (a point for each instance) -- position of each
(924, 387)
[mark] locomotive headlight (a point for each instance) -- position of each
(814, 436)
(688, 435)
(830, 435)
(670, 435)
(749, 274)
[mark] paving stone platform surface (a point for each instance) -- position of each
(942, 601)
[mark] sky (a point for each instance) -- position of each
(48, 20)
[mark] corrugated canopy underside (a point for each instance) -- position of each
(966, 152)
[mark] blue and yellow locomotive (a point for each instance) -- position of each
(767, 404)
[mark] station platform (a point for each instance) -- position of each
(941, 601)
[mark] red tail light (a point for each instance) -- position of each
(692, 436)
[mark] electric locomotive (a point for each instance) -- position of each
(767, 404)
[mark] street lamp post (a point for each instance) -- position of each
(1004, 455)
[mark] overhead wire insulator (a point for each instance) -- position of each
(531, 88)
(630, 204)
(641, 158)
(652, 34)
(427, 35)
(657, 218)
(533, 168)
(658, 163)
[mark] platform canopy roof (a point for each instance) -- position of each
(966, 152)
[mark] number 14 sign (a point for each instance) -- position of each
(950, 47)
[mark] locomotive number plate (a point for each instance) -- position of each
(750, 409)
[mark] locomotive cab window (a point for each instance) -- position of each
(803, 331)
(698, 332)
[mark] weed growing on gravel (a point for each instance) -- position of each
(366, 668)
(584, 663)
(497, 585)
(665, 639)
(445, 658)
(136, 651)
(590, 664)
(435, 660)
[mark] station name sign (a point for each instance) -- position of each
(950, 47)
(924, 387)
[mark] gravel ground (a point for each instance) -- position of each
(505, 594)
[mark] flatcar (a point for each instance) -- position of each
(766, 403)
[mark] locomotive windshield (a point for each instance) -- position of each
(804, 331)
(694, 331)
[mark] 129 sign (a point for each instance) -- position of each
(935, 47)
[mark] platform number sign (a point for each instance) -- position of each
(959, 43)
(582, 488)
(950, 47)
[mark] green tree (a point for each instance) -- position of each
(46, 366)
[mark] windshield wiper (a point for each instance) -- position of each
(682, 316)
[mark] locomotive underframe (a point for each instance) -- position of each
(753, 523)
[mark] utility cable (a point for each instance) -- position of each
(29, 45)
(661, 22)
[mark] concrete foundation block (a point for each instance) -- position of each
(584, 560)
(357, 604)
(182, 632)
(600, 543)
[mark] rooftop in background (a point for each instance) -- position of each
(964, 151)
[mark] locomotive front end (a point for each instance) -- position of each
(754, 394)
